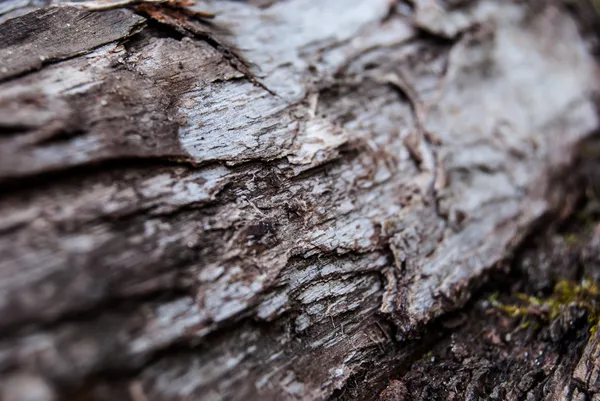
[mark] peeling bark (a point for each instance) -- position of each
(272, 203)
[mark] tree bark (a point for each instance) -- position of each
(274, 203)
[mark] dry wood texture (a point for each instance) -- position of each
(269, 203)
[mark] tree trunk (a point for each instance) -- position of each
(279, 203)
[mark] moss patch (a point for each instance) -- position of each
(566, 294)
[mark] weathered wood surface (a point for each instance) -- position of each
(266, 205)
(482, 353)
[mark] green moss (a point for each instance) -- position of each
(584, 295)
(572, 239)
